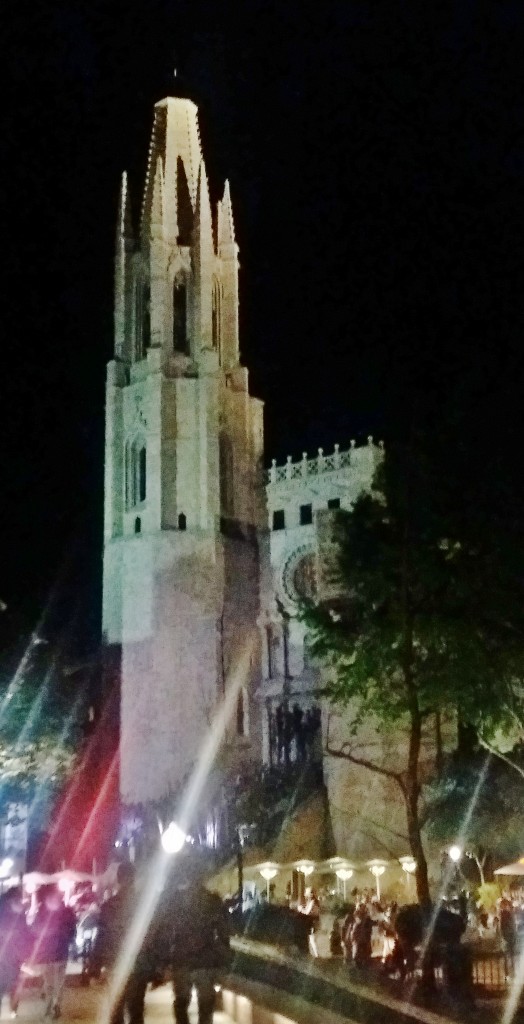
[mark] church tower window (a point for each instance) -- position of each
(279, 519)
(136, 466)
(142, 474)
(138, 525)
(143, 320)
(333, 503)
(241, 714)
(215, 316)
(182, 522)
(306, 515)
(180, 339)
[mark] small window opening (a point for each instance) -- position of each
(138, 525)
(180, 342)
(142, 475)
(143, 320)
(215, 316)
(306, 515)
(182, 522)
(279, 519)
(334, 503)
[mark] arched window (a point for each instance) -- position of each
(241, 716)
(138, 525)
(182, 521)
(143, 319)
(136, 473)
(141, 468)
(180, 339)
(215, 316)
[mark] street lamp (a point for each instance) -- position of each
(173, 838)
(268, 872)
(409, 866)
(306, 869)
(377, 870)
(344, 874)
(455, 853)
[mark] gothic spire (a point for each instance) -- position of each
(226, 228)
(202, 232)
(124, 227)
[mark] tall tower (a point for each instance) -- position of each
(184, 498)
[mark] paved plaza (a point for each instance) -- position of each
(89, 1003)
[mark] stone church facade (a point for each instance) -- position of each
(184, 516)
(205, 555)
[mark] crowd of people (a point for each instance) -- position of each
(39, 941)
(185, 937)
(294, 734)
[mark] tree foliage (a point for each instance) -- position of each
(477, 802)
(39, 724)
(428, 618)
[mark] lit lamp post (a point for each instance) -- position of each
(6, 866)
(377, 870)
(344, 874)
(268, 871)
(455, 853)
(173, 838)
(409, 866)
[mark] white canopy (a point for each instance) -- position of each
(512, 869)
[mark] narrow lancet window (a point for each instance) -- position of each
(180, 339)
(142, 320)
(215, 316)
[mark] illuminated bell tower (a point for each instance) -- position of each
(183, 464)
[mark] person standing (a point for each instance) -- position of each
(311, 909)
(115, 922)
(15, 944)
(196, 933)
(53, 931)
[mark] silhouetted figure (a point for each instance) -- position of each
(279, 728)
(361, 937)
(508, 928)
(116, 918)
(15, 944)
(298, 729)
(197, 934)
(288, 735)
(53, 931)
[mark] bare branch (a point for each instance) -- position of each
(344, 752)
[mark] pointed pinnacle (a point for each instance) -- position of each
(124, 224)
(226, 229)
(203, 223)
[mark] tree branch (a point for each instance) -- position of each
(346, 755)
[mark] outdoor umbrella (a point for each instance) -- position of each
(512, 869)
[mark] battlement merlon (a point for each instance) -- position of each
(364, 457)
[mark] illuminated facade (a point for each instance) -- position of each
(184, 510)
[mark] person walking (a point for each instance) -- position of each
(115, 922)
(311, 909)
(196, 933)
(53, 931)
(15, 944)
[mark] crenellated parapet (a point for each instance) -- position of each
(321, 463)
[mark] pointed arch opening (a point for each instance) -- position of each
(136, 473)
(216, 312)
(180, 333)
(142, 319)
(241, 714)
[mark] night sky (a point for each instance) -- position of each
(375, 153)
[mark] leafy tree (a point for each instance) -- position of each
(38, 723)
(477, 801)
(426, 618)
